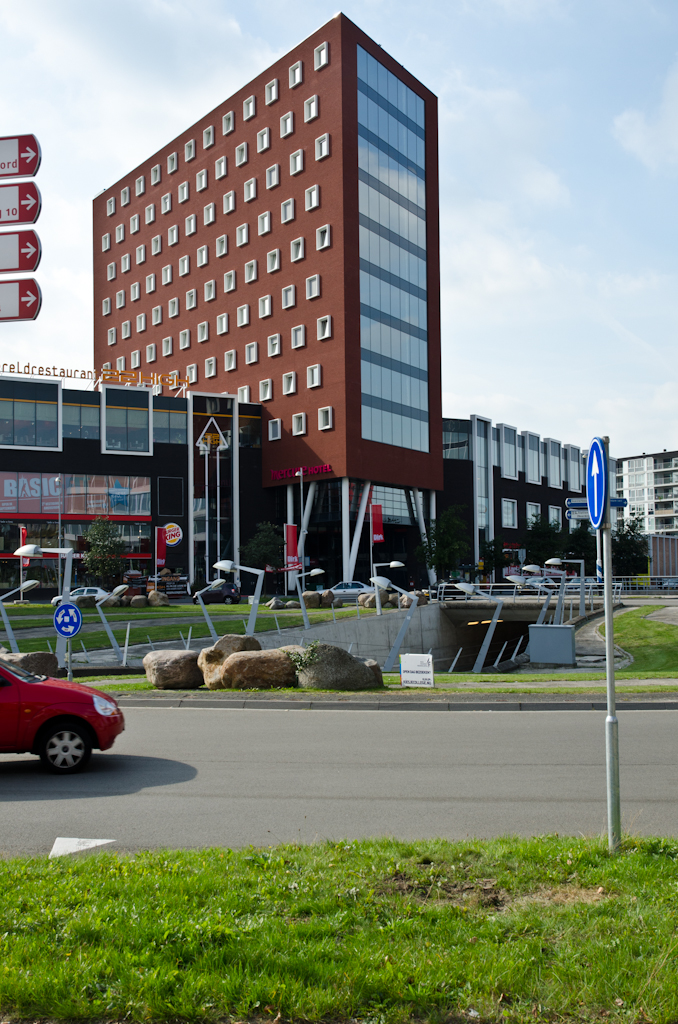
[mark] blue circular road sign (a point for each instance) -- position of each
(68, 620)
(597, 483)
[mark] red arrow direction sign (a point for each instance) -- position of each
(19, 300)
(20, 250)
(20, 156)
(20, 204)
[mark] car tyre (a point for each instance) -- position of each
(65, 748)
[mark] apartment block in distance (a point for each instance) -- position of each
(284, 250)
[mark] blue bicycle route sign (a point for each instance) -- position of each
(68, 620)
(597, 483)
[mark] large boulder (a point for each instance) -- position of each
(259, 670)
(275, 604)
(394, 599)
(40, 663)
(405, 600)
(111, 602)
(211, 660)
(173, 670)
(362, 598)
(337, 603)
(157, 599)
(370, 601)
(326, 599)
(85, 601)
(423, 598)
(140, 601)
(312, 599)
(374, 667)
(125, 601)
(333, 668)
(292, 604)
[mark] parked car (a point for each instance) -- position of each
(95, 592)
(670, 584)
(221, 592)
(59, 721)
(351, 588)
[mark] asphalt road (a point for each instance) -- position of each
(194, 777)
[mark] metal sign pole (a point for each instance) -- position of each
(611, 721)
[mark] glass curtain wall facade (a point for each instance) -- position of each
(393, 282)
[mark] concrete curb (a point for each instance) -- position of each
(355, 705)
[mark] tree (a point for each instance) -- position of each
(264, 548)
(104, 558)
(491, 554)
(629, 548)
(581, 543)
(446, 542)
(542, 540)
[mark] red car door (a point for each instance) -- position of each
(10, 702)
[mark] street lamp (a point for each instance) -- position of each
(35, 551)
(380, 565)
(226, 565)
(472, 590)
(522, 582)
(384, 581)
(301, 576)
(26, 585)
(118, 592)
(58, 482)
(582, 577)
(210, 586)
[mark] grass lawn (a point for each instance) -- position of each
(654, 645)
(374, 931)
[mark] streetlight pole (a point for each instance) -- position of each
(380, 565)
(58, 482)
(302, 536)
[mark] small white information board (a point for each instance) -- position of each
(416, 670)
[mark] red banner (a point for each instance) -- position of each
(291, 551)
(377, 525)
(160, 546)
(24, 540)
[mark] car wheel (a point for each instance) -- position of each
(228, 600)
(65, 748)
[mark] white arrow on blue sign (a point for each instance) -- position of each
(68, 620)
(597, 483)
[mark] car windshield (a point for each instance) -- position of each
(20, 673)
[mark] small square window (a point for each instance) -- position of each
(274, 430)
(229, 281)
(222, 323)
(313, 376)
(298, 336)
(135, 291)
(156, 174)
(244, 394)
(286, 124)
(156, 245)
(126, 329)
(325, 418)
(202, 256)
(271, 92)
(296, 74)
(125, 263)
(250, 271)
(297, 249)
(106, 366)
(140, 254)
(120, 363)
(166, 203)
(172, 163)
(273, 261)
(252, 353)
(274, 345)
(173, 235)
(191, 225)
(249, 108)
(151, 353)
(250, 189)
(120, 299)
(228, 123)
(184, 339)
(242, 234)
(192, 373)
(322, 146)
(312, 196)
(106, 307)
(112, 336)
(106, 242)
(289, 297)
(264, 223)
(311, 108)
(149, 213)
(211, 366)
(167, 274)
(192, 298)
(289, 383)
(273, 176)
(322, 237)
(150, 283)
(230, 360)
(265, 390)
(229, 202)
(110, 272)
(220, 168)
(221, 245)
(296, 161)
(134, 224)
(241, 154)
(509, 514)
(184, 266)
(201, 181)
(243, 315)
(210, 291)
(299, 423)
(110, 206)
(265, 306)
(321, 56)
(184, 192)
(209, 214)
(173, 307)
(124, 196)
(120, 233)
(324, 324)
(287, 211)
(203, 331)
(141, 323)
(263, 140)
(313, 287)
(208, 137)
(140, 186)
(156, 315)
(167, 346)
(189, 150)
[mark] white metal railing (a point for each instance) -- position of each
(510, 591)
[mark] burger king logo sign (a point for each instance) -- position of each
(173, 534)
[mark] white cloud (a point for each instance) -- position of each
(654, 141)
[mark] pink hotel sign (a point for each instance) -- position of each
(286, 474)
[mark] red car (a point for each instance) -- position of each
(60, 721)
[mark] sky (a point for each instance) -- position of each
(558, 126)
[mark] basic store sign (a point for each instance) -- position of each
(173, 534)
